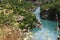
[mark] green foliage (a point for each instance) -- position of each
(19, 8)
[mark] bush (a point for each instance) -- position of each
(22, 8)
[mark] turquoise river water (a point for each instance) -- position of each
(48, 30)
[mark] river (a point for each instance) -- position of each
(48, 30)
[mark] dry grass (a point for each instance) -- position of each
(9, 34)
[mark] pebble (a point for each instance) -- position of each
(10, 33)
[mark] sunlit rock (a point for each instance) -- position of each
(18, 18)
(31, 36)
(26, 38)
(10, 33)
(31, 33)
(25, 30)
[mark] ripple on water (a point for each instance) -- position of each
(44, 35)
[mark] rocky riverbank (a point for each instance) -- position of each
(14, 34)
